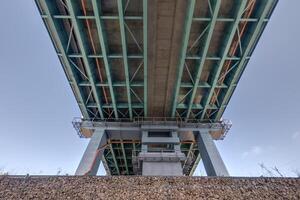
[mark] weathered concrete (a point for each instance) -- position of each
(165, 23)
(136, 187)
(162, 168)
(162, 161)
(161, 164)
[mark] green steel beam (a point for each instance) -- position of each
(145, 46)
(202, 85)
(114, 158)
(216, 58)
(229, 41)
(115, 84)
(185, 106)
(241, 66)
(118, 56)
(186, 36)
(191, 85)
(195, 165)
(124, 157)
(114, 56)
(195, 106)
(93, 17)
(222, 19)
(58, 43)
(123, 84)
(119, 105)
(124, 51)
(104, 50)
(105, 165)
(203, 55)
(120, 157)
(188, 154)
(120, 165)
(85, 60)
(125, 17)
(196, 19)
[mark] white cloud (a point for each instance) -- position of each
(254, 151)
(296, 135)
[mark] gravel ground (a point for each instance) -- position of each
(138, 187)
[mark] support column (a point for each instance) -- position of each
(161, 154)
(213, 163)
(91, 158)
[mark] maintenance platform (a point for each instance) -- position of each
(152, 78)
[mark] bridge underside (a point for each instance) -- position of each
(170, 59)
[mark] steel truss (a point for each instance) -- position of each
(98, 99)
(213, 106)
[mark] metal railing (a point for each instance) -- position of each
(223, 125)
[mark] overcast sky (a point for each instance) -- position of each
(37, 104)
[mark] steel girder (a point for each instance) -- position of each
(84, 58)
(119, 105)
(242, 64)
(93, 17)
(104, 50)
(112, 56)
(145, 53)
(186, 34)
(124, 51)
(225, 53)
(241, 61)
(223, 19)
(114, 158)
(203, 54)
(196, 19)
(216, 58)
(61, 52)
(114, 84)
(78, 85)
(124, 157)
(195, 164)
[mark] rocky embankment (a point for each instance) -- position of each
(137, 187)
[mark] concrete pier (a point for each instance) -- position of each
(213, 163)
(91, 158)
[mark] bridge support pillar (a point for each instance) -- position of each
(213, 163)
(91, 158)
(161, 154)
